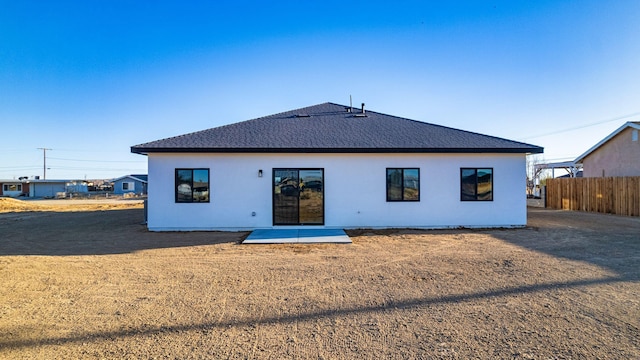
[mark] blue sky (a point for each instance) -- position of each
(90, 79)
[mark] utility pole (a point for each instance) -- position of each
(44, 157)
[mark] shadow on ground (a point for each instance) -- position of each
(94, 233)
(608, 241)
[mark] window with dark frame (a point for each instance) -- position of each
(12, 187)
(192, 185)
(403, 184)
(476, 184)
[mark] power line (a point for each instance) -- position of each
(19, 167)
(87, 151)
(92, 168)
(581, 126)
(106, 161)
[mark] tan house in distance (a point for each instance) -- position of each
(616, 155)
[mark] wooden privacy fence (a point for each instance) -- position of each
(611, 195)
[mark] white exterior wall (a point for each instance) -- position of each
(355, 191)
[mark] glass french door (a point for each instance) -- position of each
(298, 196)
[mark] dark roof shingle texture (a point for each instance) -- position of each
(330, 128)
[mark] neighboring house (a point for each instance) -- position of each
(130, 184)
(13, 188)
(579, 174)
(618, 154)
(328, 166)
(41, 187)
(54, 188)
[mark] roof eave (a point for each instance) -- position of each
(523, 150)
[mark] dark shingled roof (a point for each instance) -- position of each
(330, 128)
(141, 177)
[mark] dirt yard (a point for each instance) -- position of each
(96, 284)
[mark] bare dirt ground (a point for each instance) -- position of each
(15, 205)
(96, 284)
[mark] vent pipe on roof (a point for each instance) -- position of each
(363, 108)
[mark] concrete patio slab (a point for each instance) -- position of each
(286, 236)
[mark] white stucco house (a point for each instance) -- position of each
(331, 166)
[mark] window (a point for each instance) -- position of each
(192, 185)
(12, 187)
(127, 186)
(403, 184)
(476, 184)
